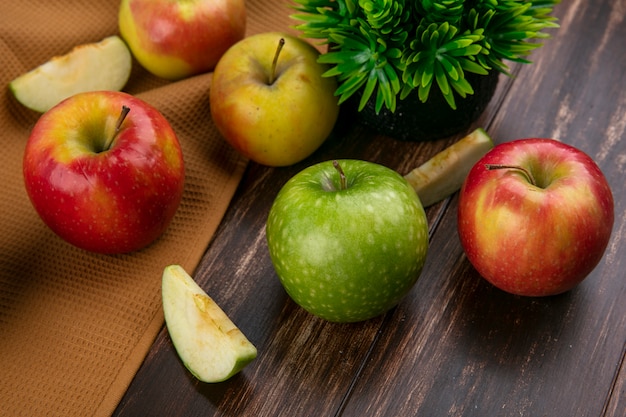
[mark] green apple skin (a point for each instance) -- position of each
(273, 123)
(115, 198)
(174, 39)
(536, 239)
(347, 255)
(209, 344)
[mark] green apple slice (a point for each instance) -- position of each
(210, 345)
(104, 65)
(444, 173)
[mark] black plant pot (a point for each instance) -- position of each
(434, 119)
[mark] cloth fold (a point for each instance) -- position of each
(75, 326)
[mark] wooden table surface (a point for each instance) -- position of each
(455, 346)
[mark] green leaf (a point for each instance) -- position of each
(426, 79)
(462, 87)
(449, 67)
(442, 80)
(424, 92)
(471, 66)
(386, 48)
(385, 94)
(368, 90)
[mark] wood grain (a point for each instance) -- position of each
(455, 346)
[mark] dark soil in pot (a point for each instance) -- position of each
(434, 119)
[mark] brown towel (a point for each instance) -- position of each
(76, 326)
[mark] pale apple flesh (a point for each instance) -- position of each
(274, 123)
(541, 239)
(105, 65)
(208, 343)
(176, 39)
(444, 173)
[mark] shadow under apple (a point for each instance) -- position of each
(512, 329)
(222, 394)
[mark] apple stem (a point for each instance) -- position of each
(342, 176)
(523, 170)
(118, 126)
(281, 43)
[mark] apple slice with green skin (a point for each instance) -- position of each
(104, 65)
(444, 173)
(211, 347)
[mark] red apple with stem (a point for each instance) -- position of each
(535, 216)
(104, 170)
(174, 39)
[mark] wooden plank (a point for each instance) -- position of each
(455, 345)
(616, 404)
(296, 351)
(298, 354)
(461, 347)
(469, 349)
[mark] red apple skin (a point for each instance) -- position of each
(176, 39)
(535, 240)
(113, 201)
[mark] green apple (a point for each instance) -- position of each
(444, 173)
(348, 239)
(270, 101)
(104, 65)
(174, 39)
(209, 344)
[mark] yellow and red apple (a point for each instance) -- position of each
(104, 170)
(535, 216)
(174, 39)
(270, 100)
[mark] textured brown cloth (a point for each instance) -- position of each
(76, 326)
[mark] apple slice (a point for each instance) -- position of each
(210, 345)
(445, 172)
(104, 65)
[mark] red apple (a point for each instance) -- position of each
(174, 39)
(104, 179)
(535, 216)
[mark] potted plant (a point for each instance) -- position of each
(422, 69)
